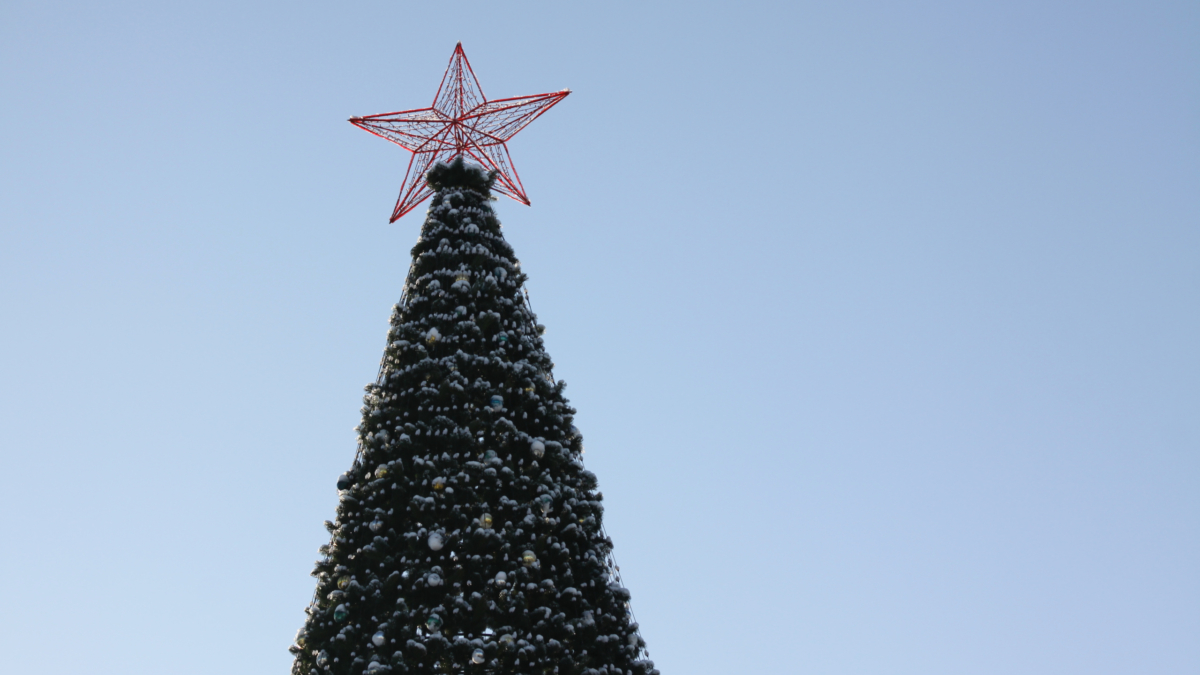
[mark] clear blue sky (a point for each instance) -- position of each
(881, 318)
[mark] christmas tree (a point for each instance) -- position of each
(469, 535)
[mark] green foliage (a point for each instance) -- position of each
(469, 538)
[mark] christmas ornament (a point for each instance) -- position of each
(544, 502)
(343, 582)
(433, 623)
(300, 637)
(538, 448)
(485, 521)
(323, 658)
(436, 541)
(506, 641)
(501, 578)
(497, 401)
(433, 579)
(461, 122)
(490, 455)
(439, 483)
(344, 482)
(433, 336)
(376, 525)
(529, 558)
(379, 638)
(477, 656)
(502, 338)
(381, 471)
(340, 613)
(460, 311)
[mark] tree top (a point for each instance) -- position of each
(459, 173)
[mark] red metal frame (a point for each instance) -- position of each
(461, 122)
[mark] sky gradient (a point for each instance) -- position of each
(881, 320)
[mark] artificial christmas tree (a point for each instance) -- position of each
(469, 536)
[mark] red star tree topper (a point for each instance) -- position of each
(460, 122)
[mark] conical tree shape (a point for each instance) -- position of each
(468, 537)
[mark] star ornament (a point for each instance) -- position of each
(461, 122)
